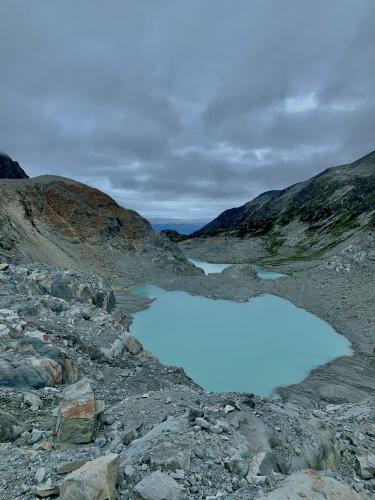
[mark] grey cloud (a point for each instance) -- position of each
(179, 108)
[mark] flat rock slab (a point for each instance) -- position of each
(158, 486)
(96, 480)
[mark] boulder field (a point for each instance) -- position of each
(87, 413)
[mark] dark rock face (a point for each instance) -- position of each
(173, 235)
(10, 169)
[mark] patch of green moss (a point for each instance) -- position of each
(344, 223)
(273, 242)
(301, 253)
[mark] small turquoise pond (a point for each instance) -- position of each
(267, 275)
(209, 268)
(226, 346)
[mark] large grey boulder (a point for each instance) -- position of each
(365, 466)
(138, 448)
(79, 414)
(158, 486)
(10, 428)
(170, 456)
(311, 484)
(96, 480)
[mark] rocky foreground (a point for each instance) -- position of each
(87, 413)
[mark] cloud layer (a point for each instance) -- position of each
(182, 109)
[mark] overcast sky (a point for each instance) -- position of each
(183, 108)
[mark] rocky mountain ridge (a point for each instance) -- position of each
(308, 217)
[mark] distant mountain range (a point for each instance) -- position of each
(302, 220)
(309, 216)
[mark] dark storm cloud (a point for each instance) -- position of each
(183, 109)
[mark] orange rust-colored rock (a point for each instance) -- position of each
(79, 414)
(76, 211)
(79, 410)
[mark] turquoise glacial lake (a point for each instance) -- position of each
(209, 268)
(225, 346)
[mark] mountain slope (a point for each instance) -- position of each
(10, 169)
(309, 215)
(64, 223)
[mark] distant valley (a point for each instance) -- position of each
(182, 228)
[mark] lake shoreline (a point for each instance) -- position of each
(178, 319)
(335, 382)
(324, 292)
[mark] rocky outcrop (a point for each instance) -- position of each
(66, 285)
(96, 480)
(79, 414)
(29, 358)
(10, 169)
